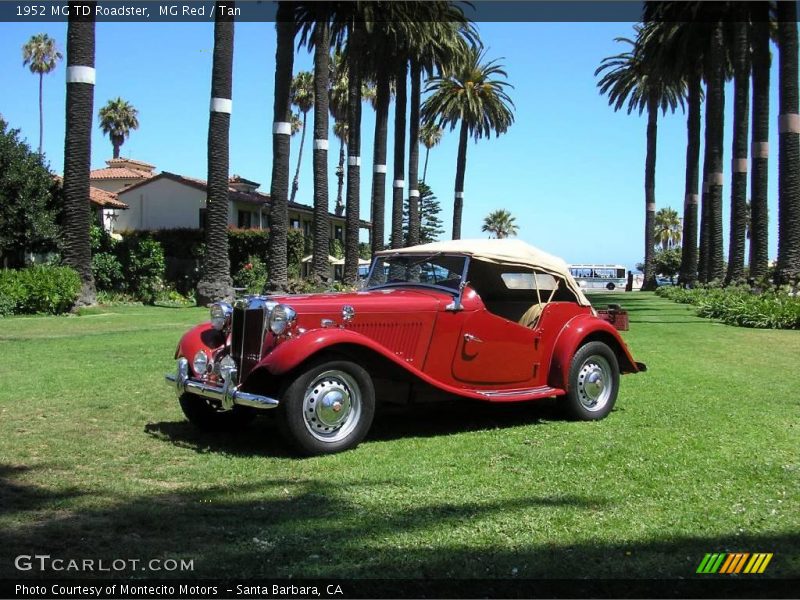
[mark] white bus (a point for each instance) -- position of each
(608, 277)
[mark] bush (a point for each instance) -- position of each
(107, 271)
(244, 244)
(39, 289)
(740, 305)
(144, 265)
(252, 276)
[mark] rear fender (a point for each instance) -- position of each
(579, 331)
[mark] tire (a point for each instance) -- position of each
(610, 287)
(328, 408)
(206, 416)
(585, 400)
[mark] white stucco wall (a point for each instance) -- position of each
(161, 204)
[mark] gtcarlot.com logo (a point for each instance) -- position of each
(45, 562)
(734, 563)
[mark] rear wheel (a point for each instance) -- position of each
(593, 382)
(610, 287)
(328, 408)
(207, 416)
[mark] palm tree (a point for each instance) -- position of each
(635, 77)
(41, 56)
(759, 221)
(668, 228)
(215, 283)
(788, 148)
(500, 224)
(302, 95)
(430, 135)
(277, 262)
(398, 184)
(741, 124)
(117, 118)
(339, 88)
(474, 96)
(77, 150)
(314, 20)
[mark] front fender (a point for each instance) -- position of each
(201, 337)
(578, 331)
(292, 352)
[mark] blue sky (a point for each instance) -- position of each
(570, 169)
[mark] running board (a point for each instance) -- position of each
(544, 391)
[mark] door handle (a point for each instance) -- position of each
(472, 338)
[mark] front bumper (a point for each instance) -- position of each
(227, 395)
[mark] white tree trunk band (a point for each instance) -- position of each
(651, 207)
(222, 105)
(320, 144)
(78, 74)
(739, 165)
(413, 193)
(379, 169)
(459, 194)
(282, 128)
(759, 149)
(691, 199)
(789, 123)
(716, 178)
(353, 161)
(399, 183)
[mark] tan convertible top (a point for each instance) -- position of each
(502, 252)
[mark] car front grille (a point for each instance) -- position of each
(248, 328)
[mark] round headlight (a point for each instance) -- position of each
(280, 319)
(221, 315)
(226, 365)
(200, 363)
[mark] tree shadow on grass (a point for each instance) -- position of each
(392, 422)
(311, 527)
(16, 496)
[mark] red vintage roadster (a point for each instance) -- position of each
(491, 320)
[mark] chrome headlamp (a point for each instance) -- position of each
(200, 363)
(221, 316)
(281, 318)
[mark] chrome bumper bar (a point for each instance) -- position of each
(227, 395)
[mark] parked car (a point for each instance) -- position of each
(488, 320)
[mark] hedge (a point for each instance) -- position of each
(39, 289)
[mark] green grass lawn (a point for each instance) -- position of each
(700, 455)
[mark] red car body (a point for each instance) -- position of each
(424, 336)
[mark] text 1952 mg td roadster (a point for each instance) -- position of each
(491, 320)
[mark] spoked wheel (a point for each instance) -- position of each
(207, 416)
(593, 382)
(329, 408)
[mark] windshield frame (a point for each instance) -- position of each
(455, 292)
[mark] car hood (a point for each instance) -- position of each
(386, 300)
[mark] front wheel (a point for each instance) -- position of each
(593, 382)
(328, 408)
(610, 287)
(207, 416)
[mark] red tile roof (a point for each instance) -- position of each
(119, 173)
(122, 160)
(100, 198)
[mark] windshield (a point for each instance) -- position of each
(432, 269)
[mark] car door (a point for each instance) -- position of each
(492, 350)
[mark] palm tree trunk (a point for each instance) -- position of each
(399, 155)
(788, 148)
(322, 227)
(353, 155)
(41, 114)
(759, 220)
(413, 156)
(425, 168)
(281, 133)
(77, 151)
(216, 284)
(650, 194)
(379, 161)
(296, 181)
(716, 109)
(115, 144)
(741, 123)
(340, 176)
(689, 236)
(461, 167)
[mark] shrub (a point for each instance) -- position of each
(107, 271)
(252, 276)
(39, 289)
(143, 263)
(243, 244)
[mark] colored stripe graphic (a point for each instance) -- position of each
(732, 563)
